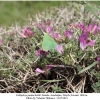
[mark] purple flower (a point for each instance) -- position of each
(83, 45)
(91, 43)
(82, 26)
(83, 37)
(84, 42)
(68, 34)
(46, 69)
(92, 29)
(89, 28)
(59, 48)
(57, 36)
(48, 29)
(1, 42)
(95, 29)
(41, 53)
(41, 27)
(38, 70)
(26, 32)
(98, 59)
(22, 35)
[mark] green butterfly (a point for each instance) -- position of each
(48, 42)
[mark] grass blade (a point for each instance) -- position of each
(90, 66)
(52, 80)
(93, 9)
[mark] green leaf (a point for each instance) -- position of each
(48, 43)
(57, 89)
(96, 87)
(90, 66)
(93, 9)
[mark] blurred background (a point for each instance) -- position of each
(18, 11)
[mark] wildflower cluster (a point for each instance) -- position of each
(26, 32)
(79, 33)
(83, 38)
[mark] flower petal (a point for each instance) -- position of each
(38, 70)
(83, 45)
(68, 34)
(48, 29)
(59, 48)
(22, 35)
(82, 26)
(41, 53)
(89, 28)
(98, 59)
(48, 67)
(28, 32)
(57, 36)
(83, 37)
(1, 42)
(91, 43)
(95, 29)
(92, 29)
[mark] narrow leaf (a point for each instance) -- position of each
(52, 80)
(93, 9)
(90, 66)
